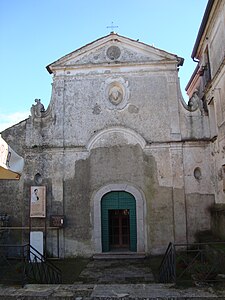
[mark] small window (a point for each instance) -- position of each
(38, 179)
(206, 67)
(197, 173)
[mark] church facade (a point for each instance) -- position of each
(123, 159)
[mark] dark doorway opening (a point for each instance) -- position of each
(119, 229)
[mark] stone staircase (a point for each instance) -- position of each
(117, 271)
(103, 279)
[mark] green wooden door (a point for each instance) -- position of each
(118, 201)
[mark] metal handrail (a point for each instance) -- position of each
(40, 270)
(35, 267)
(167, 269)
(188, 262)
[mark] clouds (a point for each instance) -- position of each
(8, 120)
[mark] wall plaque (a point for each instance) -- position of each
(38, 202)
(57, 221)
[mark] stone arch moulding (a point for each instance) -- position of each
(140, 212)
(132, 137)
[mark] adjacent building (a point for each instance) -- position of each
(208, 85)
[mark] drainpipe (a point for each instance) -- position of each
(195, 60)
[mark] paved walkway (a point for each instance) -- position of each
(107, 291)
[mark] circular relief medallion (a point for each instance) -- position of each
(115, 94)
(113, 52)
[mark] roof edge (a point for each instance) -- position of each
(180, 60)
(202, 27)
(192, 77)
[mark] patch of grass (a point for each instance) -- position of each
(11, 272)
(154, 263)
(219, 246)
(71, 268)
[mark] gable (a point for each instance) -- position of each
(114, 49)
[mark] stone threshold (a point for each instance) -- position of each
(119, 255)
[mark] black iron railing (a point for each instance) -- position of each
(202, 262)
(167, 270)
(24, 264)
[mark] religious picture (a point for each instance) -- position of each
(38, 202)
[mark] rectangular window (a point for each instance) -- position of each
(207, 71)
(223, 168)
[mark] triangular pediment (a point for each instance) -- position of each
(116, 49)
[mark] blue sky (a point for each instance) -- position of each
(35, 33)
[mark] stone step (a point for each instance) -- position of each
(119, 255)
(117, 271)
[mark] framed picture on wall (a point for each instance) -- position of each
(38, 202)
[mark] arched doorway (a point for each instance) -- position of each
(118, 222)
(140, 214)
